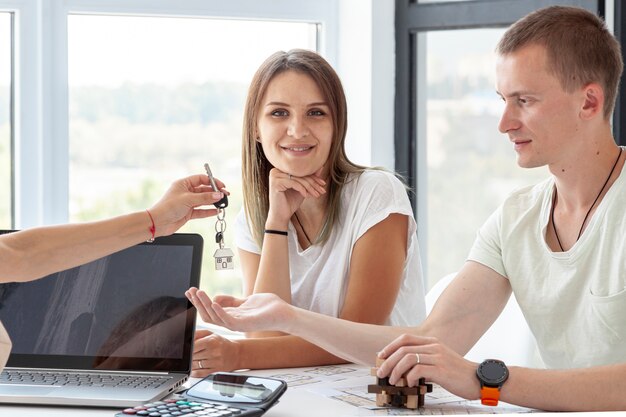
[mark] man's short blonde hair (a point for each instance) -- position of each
(580, 48)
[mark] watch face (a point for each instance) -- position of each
(492, 372)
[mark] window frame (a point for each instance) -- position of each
(11, 118)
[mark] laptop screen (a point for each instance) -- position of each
(125, 311)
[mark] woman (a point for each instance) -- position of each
(319, 231)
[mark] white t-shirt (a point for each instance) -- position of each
(319, 274)
(574, 301)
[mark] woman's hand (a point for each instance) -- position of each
(425, 357)
(287, 193)
(213, 353)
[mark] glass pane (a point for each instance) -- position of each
(156, 98)
(6, 182)
(470, 166)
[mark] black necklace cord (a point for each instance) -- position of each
(580, 232)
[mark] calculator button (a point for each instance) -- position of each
(130, 411)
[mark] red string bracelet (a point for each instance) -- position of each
(152, 228)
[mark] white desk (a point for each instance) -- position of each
(308, 396)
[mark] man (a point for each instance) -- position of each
(37, 252)
(558, 246)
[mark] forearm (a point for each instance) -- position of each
(354, 342)
(282, 352)
(33, 253)
(591, 389)
(273, 274)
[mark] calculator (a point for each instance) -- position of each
(220, 394)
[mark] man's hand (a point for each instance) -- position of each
(426, 357)
(257, 312)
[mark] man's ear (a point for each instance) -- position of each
(593, 103)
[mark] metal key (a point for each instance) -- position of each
(223, 203)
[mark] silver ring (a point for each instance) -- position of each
(202, 367)
(417, 356)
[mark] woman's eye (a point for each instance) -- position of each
(316, 113)
(279, 113)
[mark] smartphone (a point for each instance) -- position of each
(223, 203)
(238, 390)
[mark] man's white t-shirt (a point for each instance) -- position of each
(574, 301)
(319, 274)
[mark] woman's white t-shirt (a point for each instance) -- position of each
(319, 274)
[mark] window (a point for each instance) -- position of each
(6, 180)
(156, 98)
(470, 166)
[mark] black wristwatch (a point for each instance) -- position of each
(492, 374)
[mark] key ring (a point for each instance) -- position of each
(220, 226)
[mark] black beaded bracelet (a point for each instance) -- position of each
(276, 232)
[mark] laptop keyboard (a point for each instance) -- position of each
(60, 378)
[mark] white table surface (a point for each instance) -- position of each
(298, 401)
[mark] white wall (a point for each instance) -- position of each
(366, 64)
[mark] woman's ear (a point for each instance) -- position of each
(593, 103)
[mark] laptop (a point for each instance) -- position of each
(116, 332)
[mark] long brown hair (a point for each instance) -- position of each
(255, 165)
